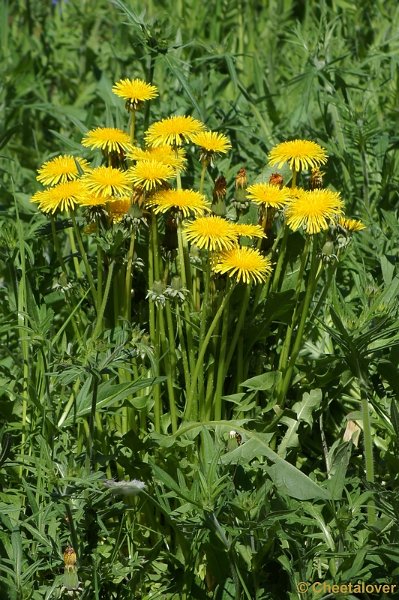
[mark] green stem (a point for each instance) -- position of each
(92, 423)
(85, 260)
(310, 287)
(74, 252)
(128, 279)
(156, 389)
(100, 314)
(278, 273)
(203, 173)
(221, 371)
(368, 453)
(285, 350)
(172, 364)
(201, 354)
(132, 126)
(239, 326)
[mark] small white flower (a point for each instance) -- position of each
(125, 488)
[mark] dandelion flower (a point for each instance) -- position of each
(351, 224)
(313, 210)
(187, 201)
(175, 158)
(267, 194)
(211, 142)
(92, 200)
(173, 131)
(212, 233)
(118, 208)
(109, 139)
(134, 91)
(149, 174)
(300, 155)
(60, 169)
(249, 231)
(64, 196)
(107, 181)
(244, 264)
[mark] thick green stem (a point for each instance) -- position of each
(203, 173)
(85, 260)
(204, 346)
(239, 326)
(128, 279)
(132, 126)
(278, 273)
(310, 287)
(101, 311)
(74, 250)
(221, 364)
(285, 350)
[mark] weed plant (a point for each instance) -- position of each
(199, 358)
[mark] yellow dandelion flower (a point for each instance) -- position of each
(300, 155)
(211, 142)
(60, 169)
(109, 139)
(212, 233)
(187, 201)
(173, 131)
(351, 224)
(267, 194)
(118, 208)
(249, 231)
(134, 91)
(313, 210)
(175, 158)
(92, 200)
(244, 264)
(64, 196)
(148, 174)
(38, 196)
(107, 181)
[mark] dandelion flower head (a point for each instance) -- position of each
(211, 142)
(108, 181)
(149, 174)
(212, 233)
(248, 230)
(245, 265)
(109, 139)
(61, 169)
(351, 224)
(167, 155)
(189, 202)
(313, 210)
(134, 91)
(118, 208)
(64, 196)
(173, 131)
(267, 194)
(300, 155)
